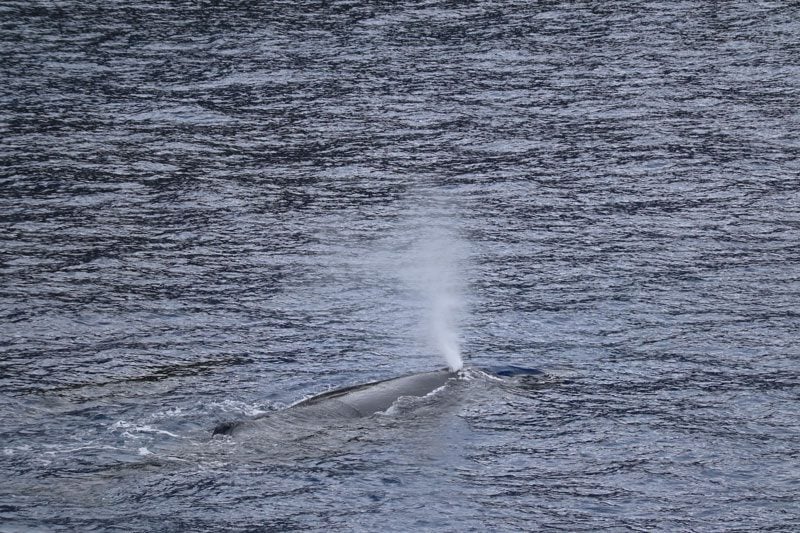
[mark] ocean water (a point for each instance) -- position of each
(212, 210)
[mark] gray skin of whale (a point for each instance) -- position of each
(356, 401)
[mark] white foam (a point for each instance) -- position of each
(129, 427)
(238, 407)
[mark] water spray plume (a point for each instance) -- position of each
(440, 284)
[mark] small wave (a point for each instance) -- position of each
(130, 427)
(241, 408)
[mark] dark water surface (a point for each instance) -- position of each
(211, 210)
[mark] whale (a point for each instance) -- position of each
(363, 400)
(356, 401)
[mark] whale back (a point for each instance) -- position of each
(371, 398)
(352, 402)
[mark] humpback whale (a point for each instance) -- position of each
(369, 398)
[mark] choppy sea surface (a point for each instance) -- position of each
(212, 210)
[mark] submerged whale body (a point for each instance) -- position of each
(369, 398)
